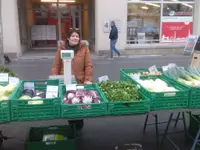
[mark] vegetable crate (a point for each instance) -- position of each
(28, 109)
(163, 100)
(129, 107)
(125, 105)
(124, 72)
(83, 110)
(5, 108)
(35, 140)
(166, 100)
(194, 94)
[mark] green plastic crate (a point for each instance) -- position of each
(35, 136)
(129, 107)
(124, 72)
(194, 94)
(83, 110)
(23, 110)
(5, 107)
(166, 100)
(163, 100)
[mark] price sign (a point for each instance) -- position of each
(153, 69)
(165, 68)
(52, 91)
(29, 86)
(103, 78)
(70, 87)
(171, 65)
(135, 77)
(13, 80)
(4, 77)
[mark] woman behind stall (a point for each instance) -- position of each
(81, 63)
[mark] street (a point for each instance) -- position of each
(102, 133)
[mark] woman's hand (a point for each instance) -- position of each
(87, 82)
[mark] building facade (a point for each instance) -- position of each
(39, 24)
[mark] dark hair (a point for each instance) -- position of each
(73, 30)
(113, 22)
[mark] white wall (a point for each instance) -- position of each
(10, 27)
(110, 10)
(196, 20)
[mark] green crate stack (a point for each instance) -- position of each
(35, 141)
(125, 72)
(129, 107)
(83, 110)
(24, 110)
(166, 100)
(194, 94)
(161, 100)
(5, 107)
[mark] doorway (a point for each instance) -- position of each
(50, 22)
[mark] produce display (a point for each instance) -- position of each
(33, 95)
(81, 97)
(6, 91)
(156, 85)
(146, 73)
(53, 137)
(188, 76)
(119, 91)
(7, 70)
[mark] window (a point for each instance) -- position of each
(159, 21)
(143, 23)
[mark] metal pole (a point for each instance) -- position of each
(1, 38)
(59, 22)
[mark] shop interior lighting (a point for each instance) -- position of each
(151, 4)
(183, 3)
(144, 7)
(60, 1)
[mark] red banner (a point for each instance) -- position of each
(176, 31)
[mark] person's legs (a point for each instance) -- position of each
(114, 47)
(78, 124)
(111, 48)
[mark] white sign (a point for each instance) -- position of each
(13, 80)
(141, 38)
(135, 77)
(70, 87)
(52, 91)
(3, 77)
(153, 69)
(29, 86)
(43, 32)
(106, 26)
(103, 78)
(165, 68)
(171, 65)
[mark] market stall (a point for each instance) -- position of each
(139, 92)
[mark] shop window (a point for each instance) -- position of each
(143, 24)
(176, 22)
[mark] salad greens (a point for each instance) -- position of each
(116, 91)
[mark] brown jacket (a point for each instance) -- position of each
(81, 64)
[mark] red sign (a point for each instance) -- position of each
(176, 31)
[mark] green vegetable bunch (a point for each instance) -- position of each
(116, 91)
(7, 70)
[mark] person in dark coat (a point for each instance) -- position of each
(113, 40)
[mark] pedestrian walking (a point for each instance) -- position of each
(113, 40)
